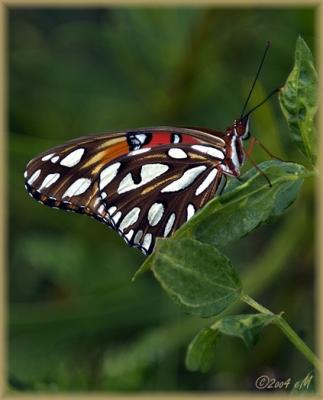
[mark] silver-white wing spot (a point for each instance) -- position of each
(33, 177)
(108, 174)
(169, 224)
(116, 217)
(185, 180)
(78, 187)
(130, 218)
(177, 153)
(112, 210)
(141, 137)
(211, 151)
(73, 158)
(47, 157)
(129, 235)
(147, 241)
(54, 159)
(137, 237)
(148, 173)
(190, 211)
(49, 180)
(176, 138)
(155, 213)
(139, 151)
(25, 174)
(207, 182)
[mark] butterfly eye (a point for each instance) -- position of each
(242, 128)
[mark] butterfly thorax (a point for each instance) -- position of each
(235, 153)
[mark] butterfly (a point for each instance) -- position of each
(144, 183)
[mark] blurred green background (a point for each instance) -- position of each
(76, 322)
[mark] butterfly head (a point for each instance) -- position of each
(241, 127)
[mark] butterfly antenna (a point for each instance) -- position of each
(264, 101)
(256, 78)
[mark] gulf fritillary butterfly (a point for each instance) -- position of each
(144, 183)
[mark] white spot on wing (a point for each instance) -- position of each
(155, 213)
(169, 224)
(46, 158)
(147, 241)
(141, 137)
(177, 153)
(34, 176)
(185, 180)
(137, 237)
(116, 217)
(73, 158)
(206, 183)
(54, 159)
(78, 187)
(130, 218)
(25, 174)
(112, 210)
(190, 211)
(139, 151)
(108, 174)
(176, 138)
(148, 173)
(49, 180)
(129, 235)
(209, 150)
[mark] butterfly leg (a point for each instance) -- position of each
(256, 166)
(254, 141)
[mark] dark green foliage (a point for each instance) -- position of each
(298, 99)
(201, 353)
(196, 275)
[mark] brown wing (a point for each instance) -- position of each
(144, 193)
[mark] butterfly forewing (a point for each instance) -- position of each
(144, 184)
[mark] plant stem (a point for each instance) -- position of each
(254, 304)
(297, 341)
(287, 330)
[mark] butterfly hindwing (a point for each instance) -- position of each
(150, 194)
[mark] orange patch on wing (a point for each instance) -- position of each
(115, 151)
(107, 155)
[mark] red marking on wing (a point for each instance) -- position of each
(160, 138)
(187, 139)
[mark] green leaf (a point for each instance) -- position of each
(244, 207)
(144, 267)
(298, 100)
(196, 275)
(201, 351)
(200, 354)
